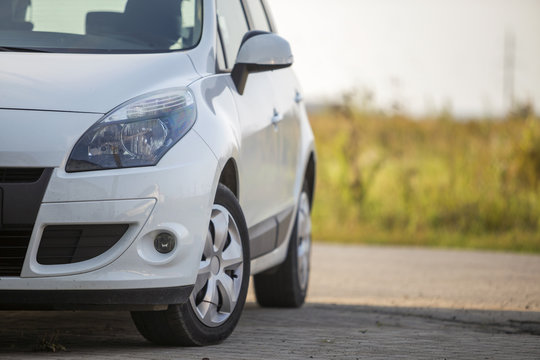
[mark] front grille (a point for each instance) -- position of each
(20, 175)
(13, 245)
(67, 244)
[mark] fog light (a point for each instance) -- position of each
(164, 243)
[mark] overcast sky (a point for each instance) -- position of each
(425, 54)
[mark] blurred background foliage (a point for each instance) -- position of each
(389, 178)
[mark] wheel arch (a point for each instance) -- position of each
(229, 177)
(310, 177)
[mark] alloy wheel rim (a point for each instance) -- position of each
(303, 241)
(219, 280)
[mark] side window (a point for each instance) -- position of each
(232, 27)
(258, 15)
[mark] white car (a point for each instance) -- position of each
(153, 156)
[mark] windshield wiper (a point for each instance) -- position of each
(21, 49)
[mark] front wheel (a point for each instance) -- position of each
(287, 284)
(216, 302)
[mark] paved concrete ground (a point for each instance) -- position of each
(425, 277)
(364, 302)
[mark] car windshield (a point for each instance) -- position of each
(100, 26)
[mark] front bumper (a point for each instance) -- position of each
(174, 196)
(131, 299)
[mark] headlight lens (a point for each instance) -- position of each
(137, 133)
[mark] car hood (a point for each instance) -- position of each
(94, 83)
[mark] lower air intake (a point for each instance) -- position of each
(68, 244)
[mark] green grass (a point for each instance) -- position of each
(391, 179)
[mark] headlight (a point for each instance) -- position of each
(137, 133)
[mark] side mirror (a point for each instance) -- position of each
(260, 51)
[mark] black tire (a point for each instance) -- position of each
(280, 286)
(179, 325)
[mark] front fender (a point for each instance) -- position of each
(217, 120)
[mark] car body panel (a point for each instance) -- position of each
(33, 138)
(203, 56)
(289, 150)
(94, 83)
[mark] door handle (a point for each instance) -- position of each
(276, 119)
(298, 98)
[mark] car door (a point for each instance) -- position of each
(288, 109)
(258, 165)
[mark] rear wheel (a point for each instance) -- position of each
(287, 284)
(216, 302)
